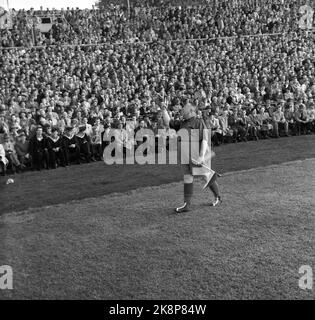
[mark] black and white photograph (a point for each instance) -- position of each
(157, 150)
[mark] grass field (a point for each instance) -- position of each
(36, 189)
(129, 245)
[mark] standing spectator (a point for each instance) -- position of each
(289, 115)
(233, 123)
(3, 160)
(88, 127)
(96, 140)
(71, 146)
(56, 149)
(214, 124)
(39, 150)
(107, 134)
(84, 143)
(311, 117)
(227, 133)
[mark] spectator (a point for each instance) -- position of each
(71, 146)
(96, 140)
(216, 132)
(3, 160)
(301, 119)
(39, 150)
(265, 120)
(311, 117)
(289, 115)
(233, 123)
(227, 132)
(56, 149)
(84, 143)
(23, 150)
(255, 124)
(279, 122)
(10, 154)
(243, 125)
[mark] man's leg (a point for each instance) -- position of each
(66, 155)
(61, 158)
(254, 132)
(235, 134)
(276, 129)
(308, 126)
(75, 152)
(38, 160)
(286, 128)
(188, 192)
(214, 187)
(52, 159)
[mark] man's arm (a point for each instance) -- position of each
(206, 133)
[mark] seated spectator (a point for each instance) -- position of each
(301, 119)
(279, 122)
(243, 125)
(4, 127)
(266, 126)
(239, 124)
(255, 124)
(22, 148)
(10, 154)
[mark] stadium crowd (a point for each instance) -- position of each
(58, 104)
(148, 23)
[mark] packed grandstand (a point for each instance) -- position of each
(68, 77)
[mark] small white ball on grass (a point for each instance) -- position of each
(10, 181)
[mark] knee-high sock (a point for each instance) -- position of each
(188, 192)
(213, 186)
